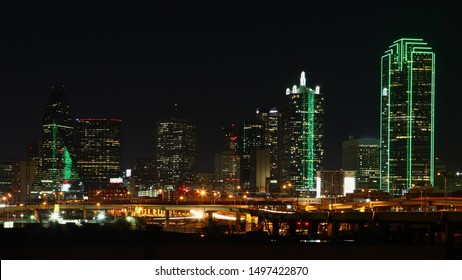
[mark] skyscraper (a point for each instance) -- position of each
(175, 152)
(6, 176)
(250, 138)
(99, 150)
(227, 167)
(270, 119)
(362, 155)
(301, 138)
(227, 162)
(229, 139)
(407, 120)
(23, 176)
(56, 170)
(144, 172)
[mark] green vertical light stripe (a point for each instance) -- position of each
(381, 126)
(390, 91)
(410, 71)
(432, 152)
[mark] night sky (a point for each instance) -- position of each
(219, 62)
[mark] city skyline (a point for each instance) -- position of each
(219, 64)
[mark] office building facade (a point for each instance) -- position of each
(301, 148)
(56, 170)
(250, 138)
(407, 120)
(270, 119)
(99, 151)
(363, 156)
(175, 156)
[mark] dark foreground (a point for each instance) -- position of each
(63, 242)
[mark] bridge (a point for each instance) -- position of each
(285, 207)
(436, 221)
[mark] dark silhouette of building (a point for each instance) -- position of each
(56, 170)
(251, 137)
(227, 162)
(270, 119)
(363, 156)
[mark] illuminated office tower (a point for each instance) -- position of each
(301, 138)
(227, 175)
(23, 176)
(227, 162)
(56, 170)
(270, 119)
(6, 176)
(175, 157)
(99, 151)
(407, 115)
(229, 139)
(250, 138)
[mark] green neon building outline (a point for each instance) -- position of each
(409, 123)
(389, 56)
(308, 123)
(67, 171)
(406, 47)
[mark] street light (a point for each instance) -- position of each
(202, 194)
(4, 206)
(238, 189)
(445, 183)
(231, 197)
(287, 188)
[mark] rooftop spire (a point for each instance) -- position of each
(302, 79)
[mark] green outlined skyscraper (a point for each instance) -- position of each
(301, 148)
(56, 170)
(407, 120)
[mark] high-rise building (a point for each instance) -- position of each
(24, 172)
(230, 138)
(56, 170)
(33, 150)
(175, 152)
(270, 119)
(261, 164)
(205, 181)
(99, 151)
(407, 120)
(33, 156)
(335, 183)
(227, 175)
(6, 176)
(144, 173)
(250, 137)
(227, 162)
(301, 146)
(363, 156)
